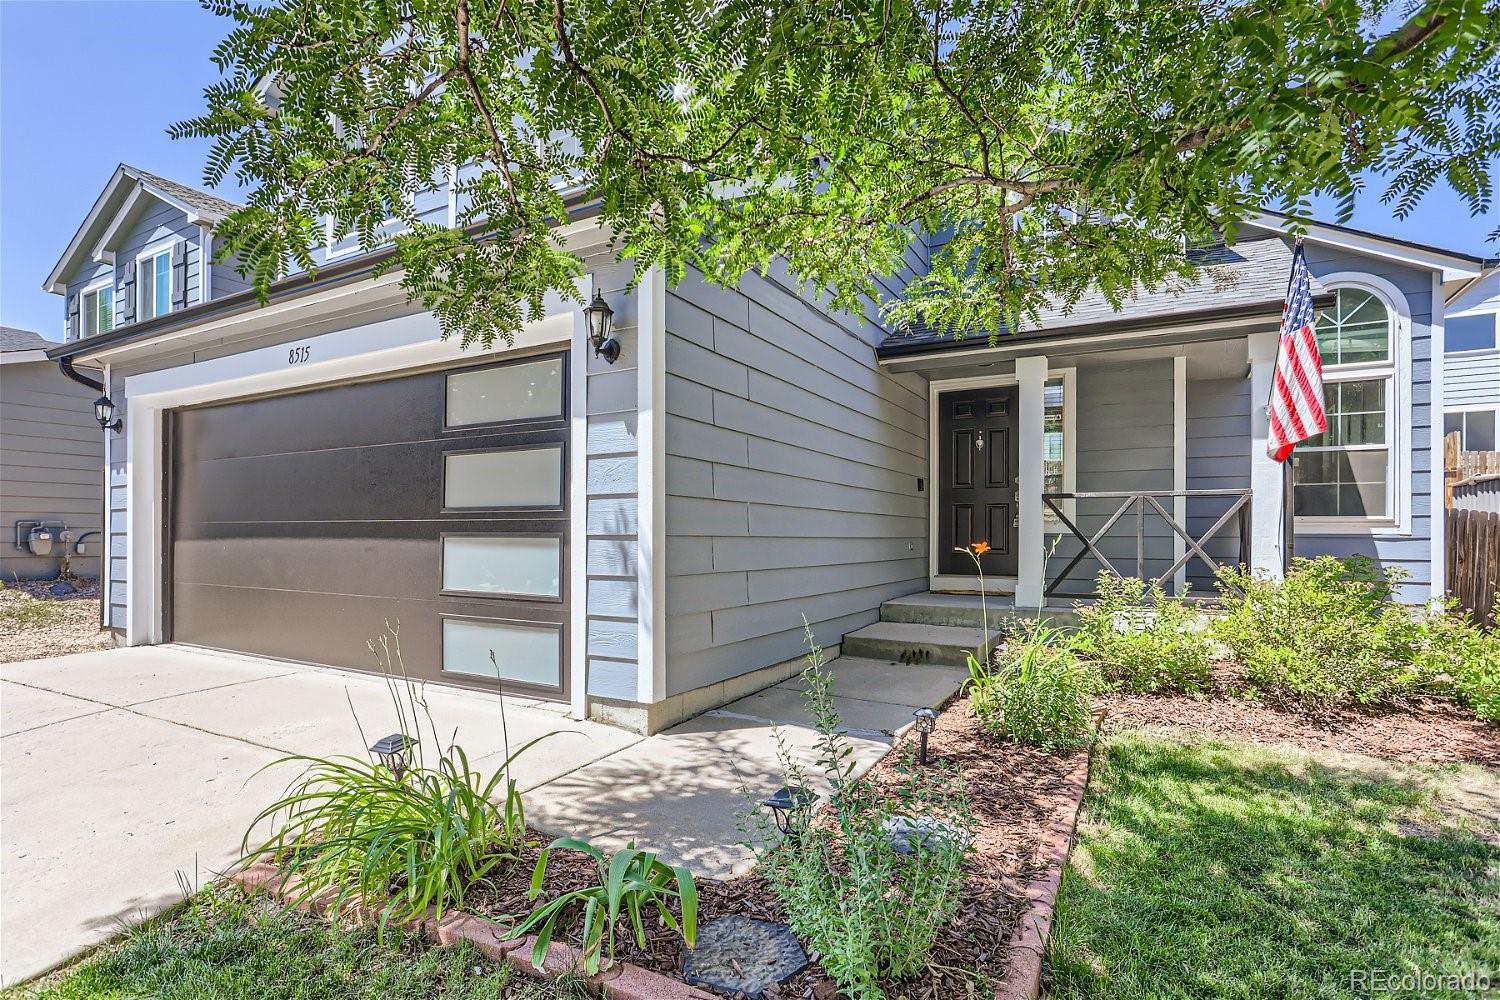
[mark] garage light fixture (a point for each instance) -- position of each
(104, 412)
(600, 318)
(392, 751)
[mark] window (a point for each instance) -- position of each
(503, 564)
(1469, 333)
(525, 391)
(1346, 472)
(1475, 428)
(96, 312)
(517, 477)
(524, 652)
(1058, 442)
(153, 284)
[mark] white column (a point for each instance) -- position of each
(1266, 497)
(1179, 464)
(1031, 376)
(651, 487)
(578, 500)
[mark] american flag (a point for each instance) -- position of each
(1296, 407)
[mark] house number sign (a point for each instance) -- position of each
(299, 354)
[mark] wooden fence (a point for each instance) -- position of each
(1474, 561)
(1461, 466)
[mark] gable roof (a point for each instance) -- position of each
(13, 339)
(125, 185)
(1249, 277)
(1451, 263)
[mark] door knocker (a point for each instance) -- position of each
(979, 440)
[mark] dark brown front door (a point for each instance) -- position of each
(301, 524)
(976, 479)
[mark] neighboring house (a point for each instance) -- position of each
(1471, 364)
(51, 466)
(642, 539)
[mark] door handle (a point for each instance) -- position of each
(979, 440)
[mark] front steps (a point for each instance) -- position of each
(940, 628)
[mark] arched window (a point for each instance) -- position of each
(1346, 472)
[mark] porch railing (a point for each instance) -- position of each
(1144, 501)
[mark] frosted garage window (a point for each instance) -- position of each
(502, 565)
(517, 477)
(524, 391)
(529, 654)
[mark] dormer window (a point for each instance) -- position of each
(154, 283)
(97, 310)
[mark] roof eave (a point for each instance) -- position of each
(65, 263)
(1452, 264)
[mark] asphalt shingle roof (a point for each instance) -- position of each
(1248, 274)
(211, 204)
(12, 339)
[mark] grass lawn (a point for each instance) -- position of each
(229, 948)
(1214, 870)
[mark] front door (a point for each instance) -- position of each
(976, 479)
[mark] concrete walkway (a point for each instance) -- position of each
(130, 775)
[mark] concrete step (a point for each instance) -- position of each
(965, 610)
(941, 644)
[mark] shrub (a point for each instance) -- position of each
(631, 883)
(1326, 635)
(402, 841)
(1462, 659)
(1143, 640)
(869, 913)
(1039, 693)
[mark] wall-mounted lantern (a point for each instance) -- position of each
(104, 412)
(600, 318)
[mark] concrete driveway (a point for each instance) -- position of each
(129, 776)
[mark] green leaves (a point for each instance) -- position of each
(632, 882)
(957, 165)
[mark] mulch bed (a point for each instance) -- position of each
(1015, 793)
(1426, 730)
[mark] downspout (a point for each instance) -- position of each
(65, 365)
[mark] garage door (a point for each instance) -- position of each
(301, 524)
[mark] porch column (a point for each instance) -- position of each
(1266, 483)
(1031, 377)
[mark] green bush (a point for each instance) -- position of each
(404, 840)
(869, 913)
(1329, 634)
(1143, 640)
(1039, 692)
(1463, 659)
(632, 883)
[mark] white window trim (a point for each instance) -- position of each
(1050, 523)
(152, 252)
(92, 288)
(1397, 371)
(390, 228)
(1452, 410)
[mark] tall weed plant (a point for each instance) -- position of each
(870, 913)
(1039, 692)
(400, 842)
(1143, 640)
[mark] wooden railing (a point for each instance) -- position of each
(1144, 502)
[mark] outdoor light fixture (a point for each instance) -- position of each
(788, 806)
(104, 412)
(392, 751)
(926, 720)
(600, 317)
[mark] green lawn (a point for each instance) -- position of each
(226, 947)
(1213, 870)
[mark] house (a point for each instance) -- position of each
(1471, 364)
(51, 466)
(640, 533)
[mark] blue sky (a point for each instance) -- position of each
(86, 84)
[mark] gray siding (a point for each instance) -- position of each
(1411, 552)
(1471, 381)
(155, 222)
(1124, 426)
(791, 479)
(51, 464)
(1218, 458)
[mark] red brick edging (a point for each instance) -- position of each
(1028, 942)
(621, 981)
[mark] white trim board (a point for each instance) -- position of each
(651, 487)
(1451, 266)
(387, 347)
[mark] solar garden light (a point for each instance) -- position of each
(787, 806)
(600, 317)
(104, 412)
(926, 721)
(392, 751)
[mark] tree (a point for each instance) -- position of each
(1063, 144)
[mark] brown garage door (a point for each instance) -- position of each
(302, 523)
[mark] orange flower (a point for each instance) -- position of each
(980, 548)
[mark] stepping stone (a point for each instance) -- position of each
(737, 954)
